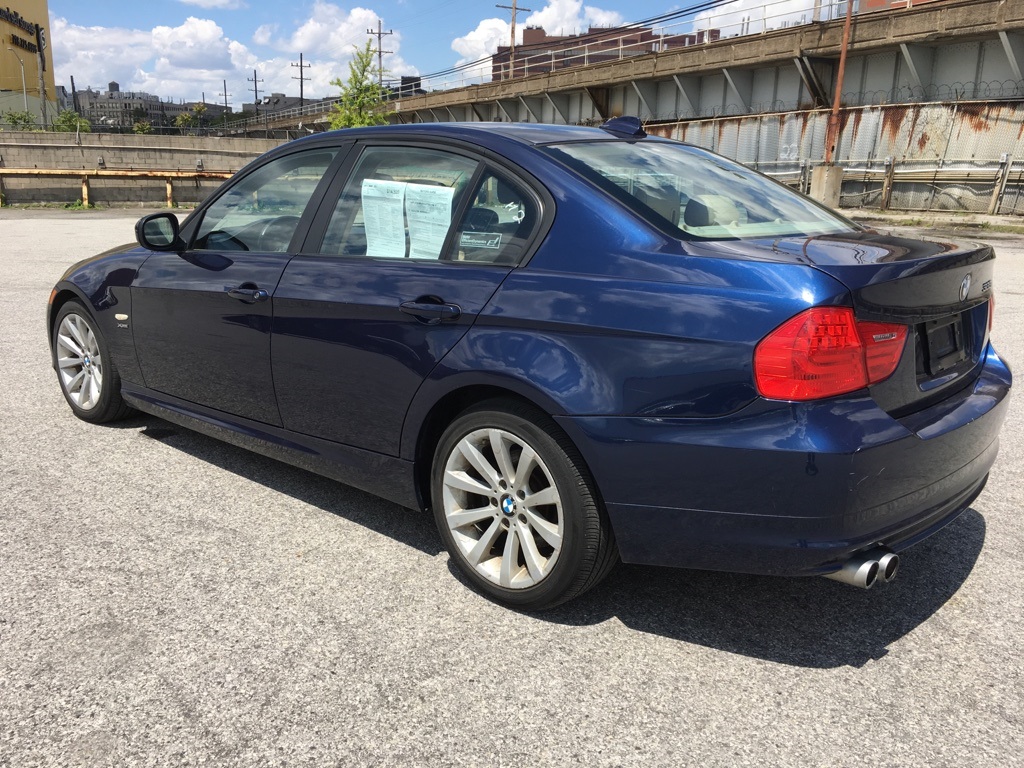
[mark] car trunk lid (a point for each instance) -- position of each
(940, 290)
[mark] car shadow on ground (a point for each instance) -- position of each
(805, 622)
(407, 526)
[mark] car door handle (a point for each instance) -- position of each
(250, 294)
(434, 312)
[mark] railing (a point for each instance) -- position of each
(168, 177)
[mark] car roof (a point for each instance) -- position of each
(524, 133)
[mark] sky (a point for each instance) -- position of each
(185, 49)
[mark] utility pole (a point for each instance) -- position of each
(512, 38)
(832, 130)
(301, 78)
(74, 98)
(380, 34)
(255, 91)
(226, 94)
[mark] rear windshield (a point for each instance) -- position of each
(696, 192)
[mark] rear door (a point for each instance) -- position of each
(202, 318)
(409, 249)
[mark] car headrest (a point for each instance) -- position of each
(697, 214)
(481, 219)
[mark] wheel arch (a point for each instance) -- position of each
(421, 435)
(62, 293)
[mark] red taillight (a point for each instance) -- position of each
(825, 351)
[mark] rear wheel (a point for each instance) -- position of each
(517, 509)
(87, 375)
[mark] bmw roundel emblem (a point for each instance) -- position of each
(965, 287)
(508, 506)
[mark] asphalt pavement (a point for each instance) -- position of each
(166, 599)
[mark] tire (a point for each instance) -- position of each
(529, 541)
(85, 370)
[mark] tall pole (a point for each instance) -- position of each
(302, 79)
(255, 91)
(24, 90)
(41, 68)
(512, 38)
(380, 35)
(832, 133)
(225, 101)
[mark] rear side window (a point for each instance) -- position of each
(699, 194)
(262, 210)
(400, 202)
(496, 227)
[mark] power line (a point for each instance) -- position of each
(380, 34)
(301, 78)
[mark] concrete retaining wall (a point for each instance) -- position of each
(59, 151)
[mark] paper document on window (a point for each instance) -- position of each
(429, 210)
(383, 205)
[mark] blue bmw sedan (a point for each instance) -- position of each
(570, 345)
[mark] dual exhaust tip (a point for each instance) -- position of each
(879, 566)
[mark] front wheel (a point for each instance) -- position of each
(517, 509)
(87, 375)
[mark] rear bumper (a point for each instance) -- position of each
(792, 489)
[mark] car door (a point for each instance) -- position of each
(202, 318)
(410, 248)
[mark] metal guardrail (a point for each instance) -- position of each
(85, 175)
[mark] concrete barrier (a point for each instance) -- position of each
(147, 154)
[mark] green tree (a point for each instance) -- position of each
(184, 121)
(142, 126)
(199, 115)
(362, 98)
(20, 121)
(69, 121)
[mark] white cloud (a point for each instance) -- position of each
(184, 61)
(558, 17)
(224, 5)
(329, 37)
(571, 17)
(264, 34)
(482, 41)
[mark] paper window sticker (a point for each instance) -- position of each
(383, 210)
(429, 212)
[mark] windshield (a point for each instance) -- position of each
(698, 193)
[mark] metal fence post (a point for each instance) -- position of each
(887, 181)
(1002, 176)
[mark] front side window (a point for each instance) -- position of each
(399, 203)
(699, 194)
(262, 211)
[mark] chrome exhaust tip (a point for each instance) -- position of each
(860, 571)
(888, 564)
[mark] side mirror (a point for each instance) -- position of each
(159, 232)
